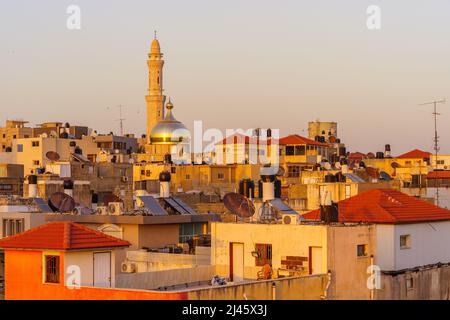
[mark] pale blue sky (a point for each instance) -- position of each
(234, 64)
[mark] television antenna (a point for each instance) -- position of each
(121, 119)
(436, 139)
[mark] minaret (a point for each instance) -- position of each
(155, 98)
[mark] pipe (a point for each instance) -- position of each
(274, 291)
(325, 292)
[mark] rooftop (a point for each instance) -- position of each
(61, 236)
(385, 206)
(413, 154)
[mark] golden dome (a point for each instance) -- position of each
(169, 130)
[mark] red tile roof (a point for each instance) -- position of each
(296, 139)
(438, 175)
(415, 154)
(385, 206)
(61, 236)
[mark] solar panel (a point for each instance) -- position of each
(176, 206)
(153, 206)
(282, 207)
(354, 177)
(42, 205)
(185, 206)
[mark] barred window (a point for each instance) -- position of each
(52, 269)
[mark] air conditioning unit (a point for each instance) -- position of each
(128, 267)
(124, 179)
(115, 208)
(290, 218)
(102, 210)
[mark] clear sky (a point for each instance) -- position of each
(234, 64)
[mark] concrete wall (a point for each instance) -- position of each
(164, 278)
(295, 288)
(428, 245)
(286, 240)
(31, 219)
(428, 283)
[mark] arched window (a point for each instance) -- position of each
(111, 230)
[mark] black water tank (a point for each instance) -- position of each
(269, 133)
(68, 185)
(277, 188)
(32, 179)
(340, 177)
(72, 144)
(164, 176)
(330, 178)
(8, 149)
(380, 155)
(94, 198)
(247, 188)
(64, 135)
(268, 177)
(168, 158)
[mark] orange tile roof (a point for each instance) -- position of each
(61, 236)
(296, 139)
(415, 154)
(385, 206)
(438, 175)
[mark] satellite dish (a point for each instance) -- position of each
(239, 205)
(61, 202)
(281, 171)
(52, 156)
(395, 165)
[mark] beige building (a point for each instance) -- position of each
(14, 129)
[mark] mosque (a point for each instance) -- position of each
(164, 132)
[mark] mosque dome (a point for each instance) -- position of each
(169, 130)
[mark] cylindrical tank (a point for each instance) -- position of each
(330, 178)
(387, 151)
(268, 191)
(32, 186)
(68, 187)
(164, 184)
(340, 177)
(168, 158)
(94, 201)
(247, 188)
(277, 188)
(379, 155)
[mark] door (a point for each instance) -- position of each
(236, 262)
(315, 260)
(102, 269)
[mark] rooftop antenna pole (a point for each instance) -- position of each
(120, 119)
(436, 141)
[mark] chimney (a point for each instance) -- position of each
(164, 184)
(32, 186)
(68, 187)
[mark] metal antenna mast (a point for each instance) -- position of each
(436, 140)
(120, 119)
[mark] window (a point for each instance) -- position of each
(188, 231)
(188, 177)
(220, 176)
(409, 283)
(264, 256)
(362, 250)
(14, 136)
(148, 173)
(35, 162)
(407, 163)
(3, 147)
(173, 170)
(290, 150)
(440, 162)
(405, 241)
(12, 227)
(142, 172)
(4, 136)
(20, 148)
(35, 143)
(300, 150)
(51, 269)
(293, 171)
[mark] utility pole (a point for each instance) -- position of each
(436, 141)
